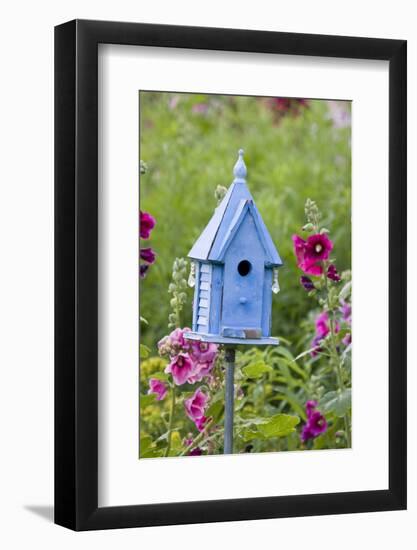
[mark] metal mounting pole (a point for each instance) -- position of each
(229, 400)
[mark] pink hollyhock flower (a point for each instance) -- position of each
(195, 407)
(143, 269)
(200, 371)
(158, 387)
(346, 310)
(174, 343)
(333, 274)
(148, 255)
(316, 423)
(177, 338)
(322, 330)
(347, 340)
(315, 249)
(203, 352)
(201, 423)
(200, 108)
(180, 367)
(147, 223)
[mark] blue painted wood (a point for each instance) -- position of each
(267, 302)
(218, 339)
(216, 298)
(246, 246)
(203, 308)
(236, 257)
(196, 294)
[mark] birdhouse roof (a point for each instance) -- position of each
(225, 222)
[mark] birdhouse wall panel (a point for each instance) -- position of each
(203, 311)
(196, 294)
(216, 298)
(267, 303)
(244, 267)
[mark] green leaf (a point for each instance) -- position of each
(160, 376)
(345, 292)
(147, 399)
(144, 443)
(215, 411)
(249, 434)
(284, 352)
(336, 402)
(256, 370)
(143, 320)
(279, 425)
(144, 351)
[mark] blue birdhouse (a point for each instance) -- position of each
(235, 270)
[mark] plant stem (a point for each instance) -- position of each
(171, 421)
(197, 440)
(335, 355)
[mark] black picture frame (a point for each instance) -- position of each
(76, 272)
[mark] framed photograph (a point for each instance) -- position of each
(230, 254)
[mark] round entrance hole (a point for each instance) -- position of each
(244, 267)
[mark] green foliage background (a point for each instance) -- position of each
(190, 144)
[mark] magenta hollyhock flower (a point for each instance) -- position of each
(316, 422)
(316, 348)
(203, 352)
(195, 407)
(310, 406)
(322, 327)
(148, 255)
(322, 330)
(307, 283)
(158, 387)
(318, 248)
(309, 253)
(180, 367)
(287, 104)
(300, 253)
(147, 223)
(143, 269)
(332, 273)
(195, 452)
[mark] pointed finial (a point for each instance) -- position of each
(239, 170)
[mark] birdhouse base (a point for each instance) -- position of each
(217, 339)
